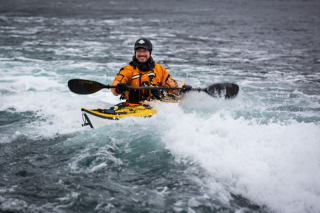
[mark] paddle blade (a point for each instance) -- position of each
(223, 90)
(84, 87)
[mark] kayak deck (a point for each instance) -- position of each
(95, 116)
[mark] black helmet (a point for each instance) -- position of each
(143, 43)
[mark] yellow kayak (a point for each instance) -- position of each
(95, 117)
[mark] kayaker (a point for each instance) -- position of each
(143, 71)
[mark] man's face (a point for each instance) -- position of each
(142, 55)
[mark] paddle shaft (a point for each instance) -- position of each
(139, 88)
(156, 88)
(85, 87)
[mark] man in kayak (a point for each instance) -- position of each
(143, 71)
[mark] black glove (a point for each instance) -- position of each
(156, 94)
(185, 89)
(122, 87)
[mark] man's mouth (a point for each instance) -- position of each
(142, 58)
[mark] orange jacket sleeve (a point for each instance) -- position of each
(168, 81)
(123, 76)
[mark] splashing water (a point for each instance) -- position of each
(259, 152)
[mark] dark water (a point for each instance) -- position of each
(257, 153)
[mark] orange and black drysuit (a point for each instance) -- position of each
(130, 74)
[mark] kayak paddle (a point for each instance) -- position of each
(85, 87)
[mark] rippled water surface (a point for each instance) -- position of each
(259, 152)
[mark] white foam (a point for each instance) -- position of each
(274, 164)
(27, 82)
(49, 103)
(6, 59)
(117, 21)
(12, 204)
